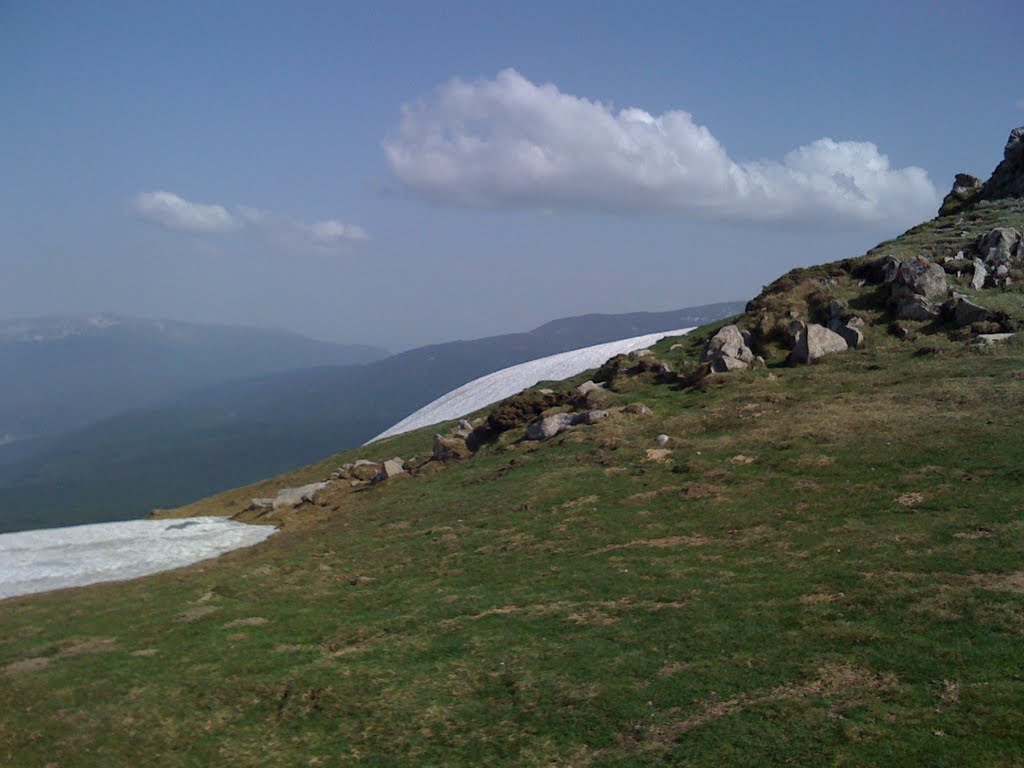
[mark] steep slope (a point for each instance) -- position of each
(238, 432)
(59, 373)
(819, 566)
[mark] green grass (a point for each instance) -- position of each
(825, 570)
(854, 595)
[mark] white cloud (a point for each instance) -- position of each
(510, 142)
(175, 212)
(333, 231)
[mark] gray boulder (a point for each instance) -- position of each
(389, 469)
(1001, 244)
(814, 342)
(916, 308)
(919, 277)
(364, 469)
(587, 387)
(450, 448)
(637, 409)
(549, 426)
(980, 273)
(852, 332)
(981, 340)
(293, 497)
(727, 350)
(966, 312)
(589, 417)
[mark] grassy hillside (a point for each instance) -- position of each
(822, 567)
(244, 430)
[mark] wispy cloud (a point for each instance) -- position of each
(176, 213)
(508, 142)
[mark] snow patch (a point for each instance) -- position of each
(38, 561)
(496, 386)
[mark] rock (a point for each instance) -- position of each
(916, 308)
(638, 409)
(1001, 244)
(814, 342)
(727, 350)
(546, 392)
(263, 503)
(549, 426)
(966, 189)
(900, 332)
(364, 469)
(852, 334)
(389, 469)
(966, 312)
(589, 417)
(450, 448)
(919, 277)
(587, 387)
(981, 340)
(980, 273)
(293, 497)
(642, 353)
(1007, 179)
(662, 440)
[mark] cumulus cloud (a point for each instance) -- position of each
(174, 212)
(508, 142)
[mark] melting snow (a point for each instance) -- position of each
(37, 561)
(501, 384)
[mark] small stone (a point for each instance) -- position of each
(662, 440)
(549, 426)
(586, 387)
(637, 409)
(589, 417)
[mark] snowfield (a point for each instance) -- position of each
(37, 561)
(508, 381)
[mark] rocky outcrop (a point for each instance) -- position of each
(814, 342)
(1007, 179)
(728, 350)
(966, 190)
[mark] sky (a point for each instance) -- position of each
(407, 173)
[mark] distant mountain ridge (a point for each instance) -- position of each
(59, 373)
(236, 432)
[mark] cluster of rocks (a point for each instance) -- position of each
(729, 350)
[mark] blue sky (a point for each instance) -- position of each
(404, 173)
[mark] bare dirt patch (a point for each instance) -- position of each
(251, 621)
(194, 614)
(659, 455)
(911, 499)
(27, 665)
